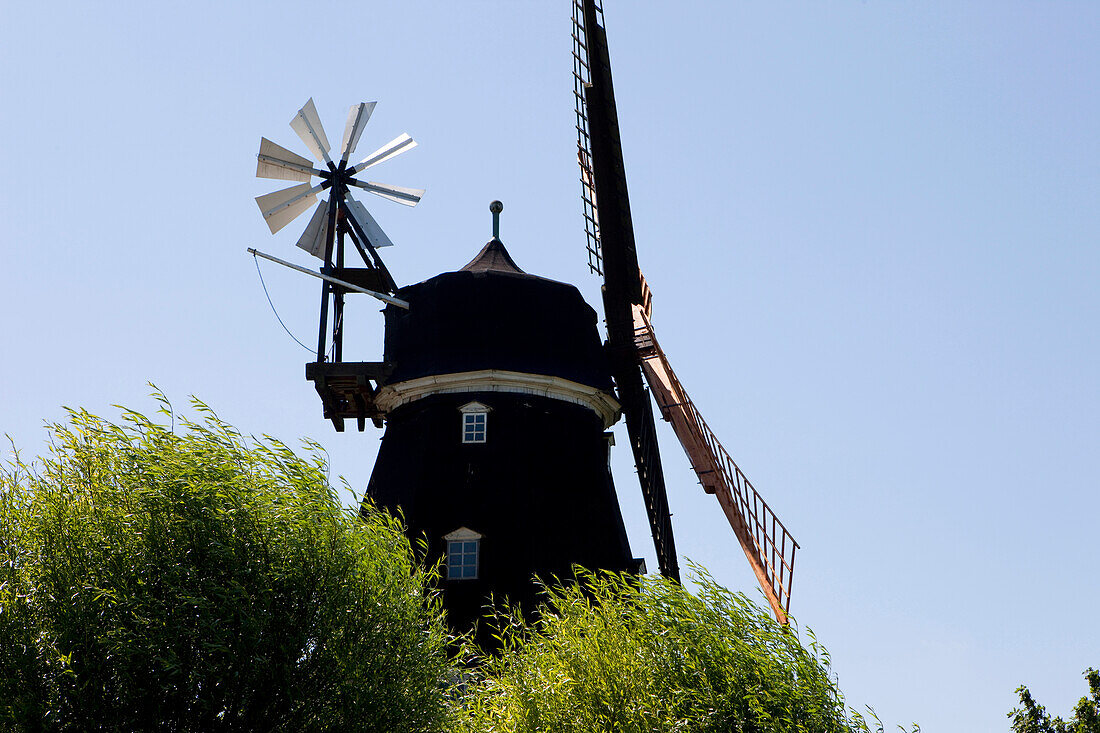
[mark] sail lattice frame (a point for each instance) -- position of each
(767, 543)
(582, 77)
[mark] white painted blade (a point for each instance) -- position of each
(353, 128)
(282, 207)
(398, 145)
(275, 161)
(308, 127)
(313, 238)
(366, 222)
(400, 194)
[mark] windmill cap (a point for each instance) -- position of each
(493, 257)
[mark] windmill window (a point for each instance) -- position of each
(473, 427)
(463, 550)
(462, 559)
(475, 416)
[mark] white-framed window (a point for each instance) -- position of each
(473, 427)
(463, 554)
(475, 419)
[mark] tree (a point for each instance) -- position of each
(627, 654)
(195, 579)
(198, 580)
(1033, 718)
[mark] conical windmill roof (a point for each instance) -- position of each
(493, 257)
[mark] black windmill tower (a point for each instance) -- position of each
(496, 447)
(496, 390)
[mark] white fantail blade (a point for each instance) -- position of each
(353, 129)
(275, 161)
(398, 145)
(313, 238)
(366, 222)
(282, 207)
(308, 127)
(400, 194)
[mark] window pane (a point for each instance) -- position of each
(469, 572)
(469, 547)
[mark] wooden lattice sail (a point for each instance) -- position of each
(768, 545)
(633, 348)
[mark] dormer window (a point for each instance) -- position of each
(463, 550)
(474, 422)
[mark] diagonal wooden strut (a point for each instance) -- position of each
(767, 544)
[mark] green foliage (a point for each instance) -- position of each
(1033, 718)
(199, 580)
(623, 654)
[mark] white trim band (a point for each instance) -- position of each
(392, 396)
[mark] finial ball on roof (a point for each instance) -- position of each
(496, 207)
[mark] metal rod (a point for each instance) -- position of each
(292, 165)
(338, 298)
(342, 283)
(496, 207)
(326, 288)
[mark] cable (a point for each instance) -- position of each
(288, 333)
(335, 334)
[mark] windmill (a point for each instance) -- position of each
(490, 377)
(496, 390)
(346, 389)
(632, 344)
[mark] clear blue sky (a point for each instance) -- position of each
(871, 229)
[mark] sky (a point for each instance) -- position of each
(870, 228)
